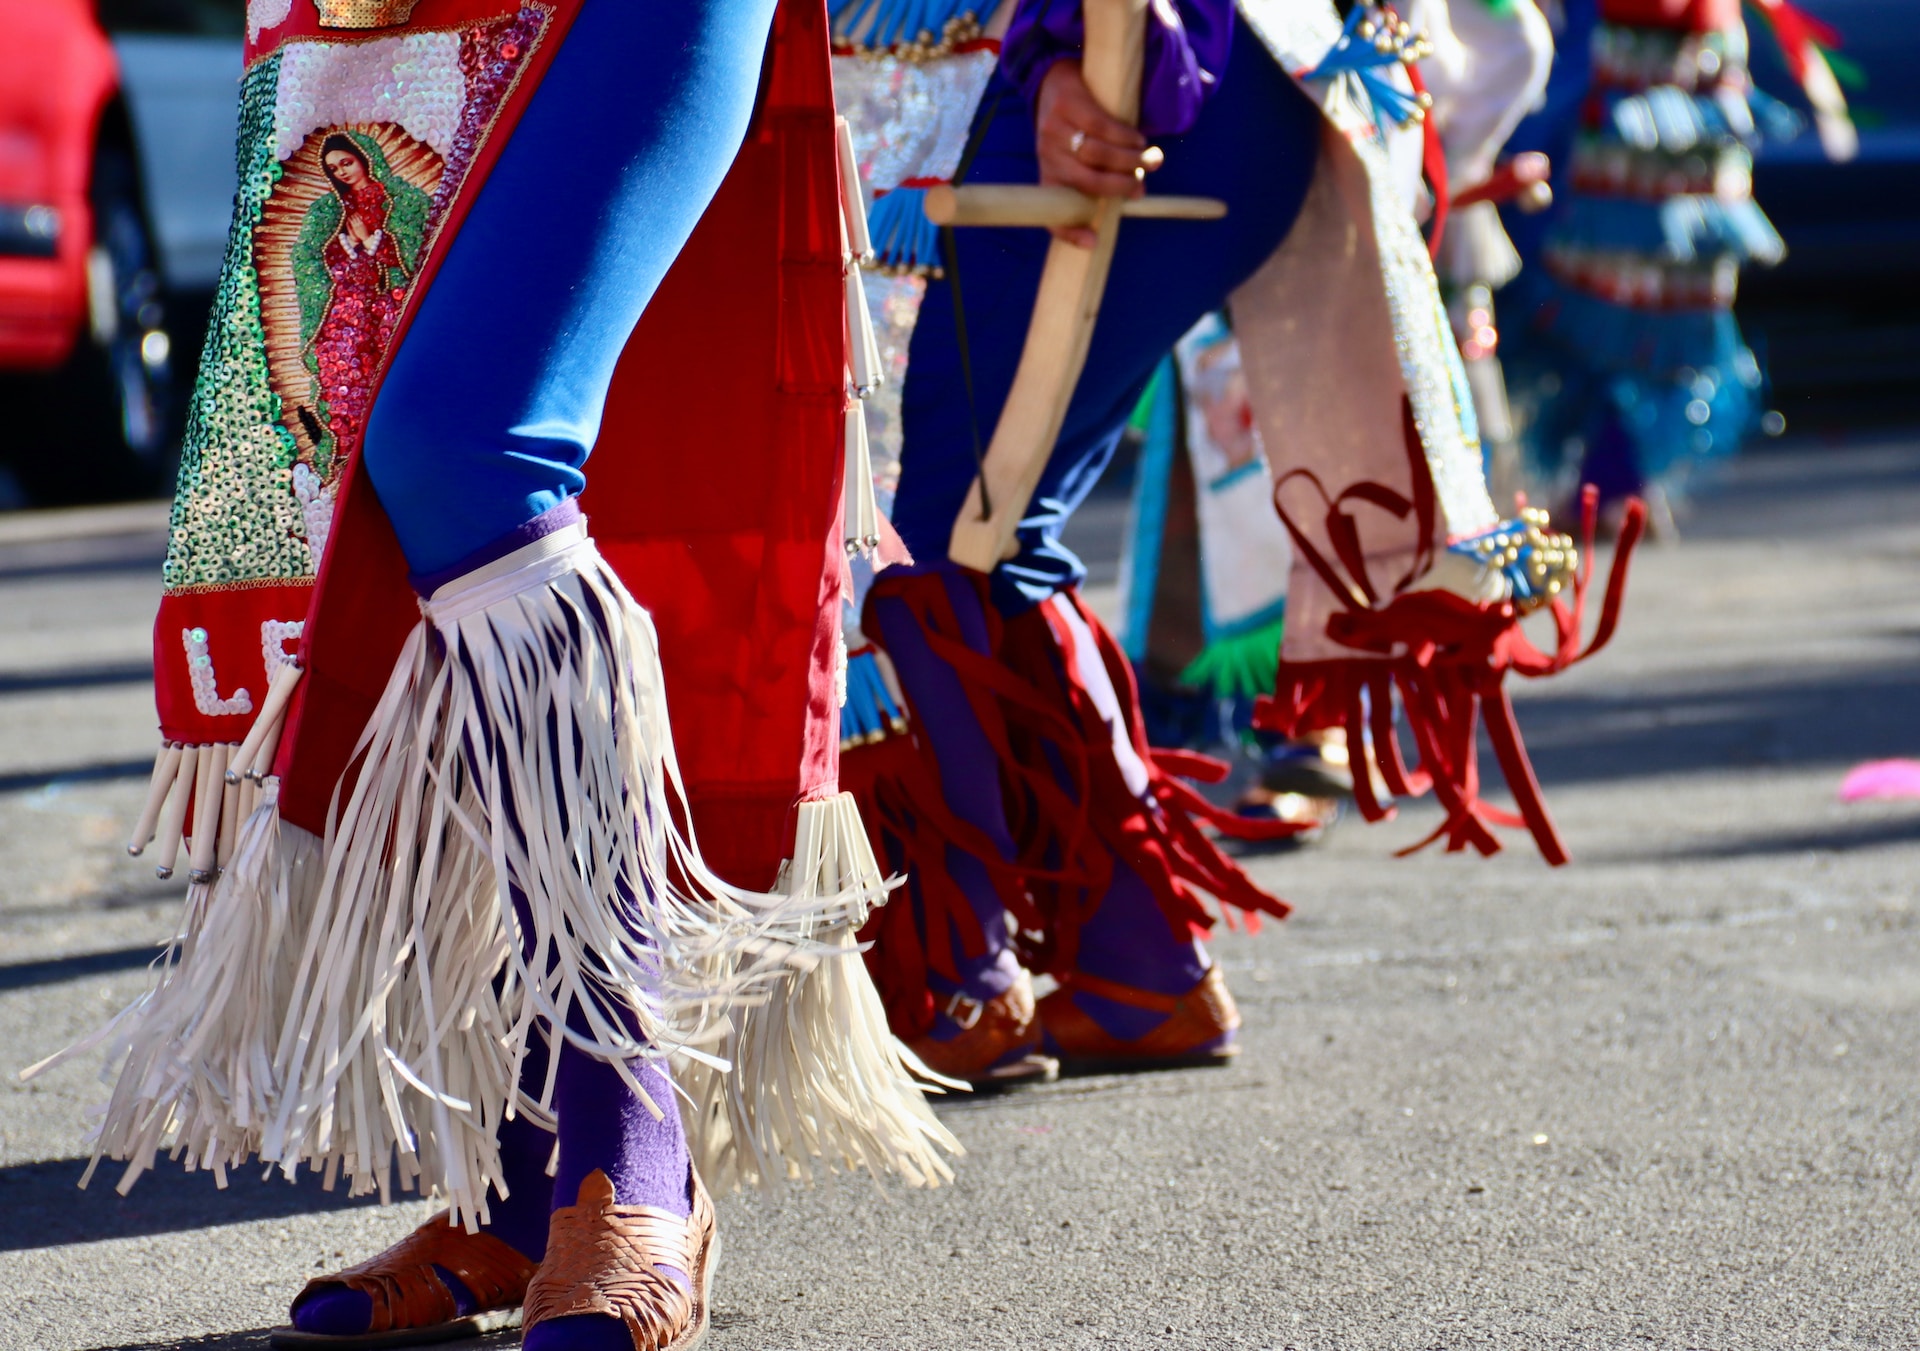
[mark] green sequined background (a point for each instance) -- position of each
(235, 518)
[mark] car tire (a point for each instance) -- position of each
(101, 427)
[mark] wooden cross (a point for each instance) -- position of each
(1071, 285)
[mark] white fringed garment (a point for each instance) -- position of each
(363, 1004)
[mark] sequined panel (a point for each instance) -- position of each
(364, 13)
(265, 14)
(910, 118)
(349, 156)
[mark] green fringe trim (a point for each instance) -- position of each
(1243, 666)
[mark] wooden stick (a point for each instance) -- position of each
(229, 818)
(1052, 207)
(174, 819)
(165, 766)
(278, 692)
(1113, 57)
(211, 776)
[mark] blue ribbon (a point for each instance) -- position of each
(1368, 65)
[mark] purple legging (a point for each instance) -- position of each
(1128, 939)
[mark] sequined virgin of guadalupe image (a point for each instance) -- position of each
(339, 246)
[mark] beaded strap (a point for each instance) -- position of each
(408, 1293)
(605, 1258)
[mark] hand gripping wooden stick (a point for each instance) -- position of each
(1063, 313)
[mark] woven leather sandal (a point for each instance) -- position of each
(411, 1304)
(999, 1041)
(1197, 1032)
(604, 1258)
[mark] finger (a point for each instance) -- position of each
(1116, 159)
(1079, 108)
(1070, 172)
(1078, 235)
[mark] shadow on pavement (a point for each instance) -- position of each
(97, 773)
(220, 1341)
(41, 1205)
(1868, 834)
(1836, 718)
(76, 678)
(25, 975)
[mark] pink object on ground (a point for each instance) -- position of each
(1882, 779)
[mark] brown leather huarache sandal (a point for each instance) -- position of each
(604, 1258)
(998, 1045)
(411, 1304)
(1199, 1029)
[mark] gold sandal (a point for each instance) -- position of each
(605, 1258)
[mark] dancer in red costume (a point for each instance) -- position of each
(494, 904)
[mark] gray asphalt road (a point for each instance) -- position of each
(1665, 1097)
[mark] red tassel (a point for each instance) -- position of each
(1448, 657)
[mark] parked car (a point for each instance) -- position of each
(1840, 318)
(116, 182)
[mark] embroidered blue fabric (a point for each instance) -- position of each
(1254, 146)
(494, 399)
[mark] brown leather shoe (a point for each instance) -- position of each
(605, 1258)
(1198, 1031)
(412, 1305)
(999, 1041)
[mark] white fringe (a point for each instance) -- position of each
(818, 1081)
(363, 1004)
(196, 1076)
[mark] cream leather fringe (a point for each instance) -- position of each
(818, 1082)
(362, 1004)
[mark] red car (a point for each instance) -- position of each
(85, 353)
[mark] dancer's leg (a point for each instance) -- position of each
(477, 442)
(969, 778)
(493, 401)
(1255, 146)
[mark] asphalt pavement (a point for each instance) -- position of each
(1664, 1097)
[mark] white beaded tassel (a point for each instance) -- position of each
(862, 507)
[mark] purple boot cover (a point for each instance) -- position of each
(970, 783)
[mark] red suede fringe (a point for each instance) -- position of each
(1069, 809)
(1448, 658)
